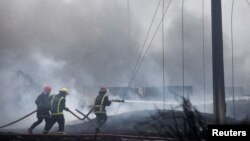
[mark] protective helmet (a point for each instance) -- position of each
(65, 90)
(103, 89)
(47, 88)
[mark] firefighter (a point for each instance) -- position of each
(57, 106)
(43, 107)
(101, 102)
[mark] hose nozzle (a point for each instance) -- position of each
(118, 100)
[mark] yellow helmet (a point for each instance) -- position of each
(64, 90)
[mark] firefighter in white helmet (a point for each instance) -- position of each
(101, 102)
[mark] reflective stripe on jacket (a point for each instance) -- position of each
(101, 102)
(57, 104)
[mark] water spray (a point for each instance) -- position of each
(151, 102)
(144, 102)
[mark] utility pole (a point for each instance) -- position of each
(219, 103)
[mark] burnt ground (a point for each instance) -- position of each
(132, 123)
(138, 122)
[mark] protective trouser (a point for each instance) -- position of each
(55, 118)
(39, 120)
(101, 119)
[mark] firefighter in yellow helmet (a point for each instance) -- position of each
(101, 102)
(57, 106)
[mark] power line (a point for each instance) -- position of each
(139, 58)
(232, 55)
(137, 62)
(150, 42)
(163, 56)
(248, 2)
(136, 70)
(182, 45)
(128, 16)
(203, 45)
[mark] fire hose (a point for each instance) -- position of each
(85, 116)
(88, 113)
(74, 114)
(82, 114)
(92, 109)
(3, 126)
(18, 120)
(118, 100)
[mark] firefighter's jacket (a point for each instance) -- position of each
(57, 104)
(43, 105)
(101, 102)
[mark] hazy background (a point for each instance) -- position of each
(76, 43)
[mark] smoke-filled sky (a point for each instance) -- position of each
(75, 43)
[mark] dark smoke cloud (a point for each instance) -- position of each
(63, 44)
(84, 38)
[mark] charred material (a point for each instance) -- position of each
(77, 137)
(188, 125)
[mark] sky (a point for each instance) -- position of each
(76, 43)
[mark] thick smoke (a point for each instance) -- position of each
(61, 43)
